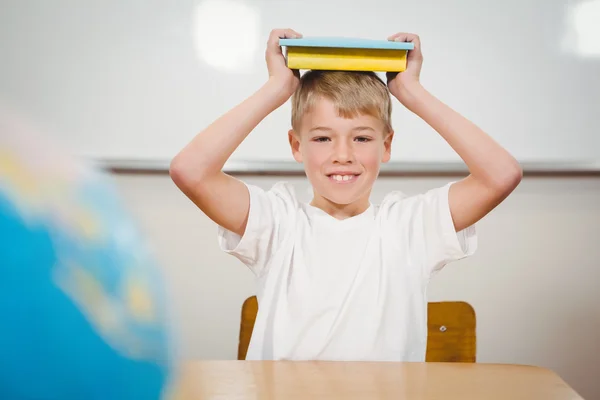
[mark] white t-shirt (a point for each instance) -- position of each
(352, 289)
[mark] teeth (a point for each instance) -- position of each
(342, 178)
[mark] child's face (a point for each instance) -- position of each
(341, 156)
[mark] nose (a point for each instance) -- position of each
(343, 152)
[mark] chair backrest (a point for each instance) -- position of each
(249, 311)
(451, 331)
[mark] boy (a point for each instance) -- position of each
(341, 278)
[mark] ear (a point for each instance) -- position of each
(387, 147)
(295, 145)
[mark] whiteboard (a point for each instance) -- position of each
(136, 80)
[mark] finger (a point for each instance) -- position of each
(405, 37)
(402, 36)
(277, 34)
(298, 34)
(411, 38)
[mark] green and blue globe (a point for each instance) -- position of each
(82, 302)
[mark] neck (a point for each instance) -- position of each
(341, 211)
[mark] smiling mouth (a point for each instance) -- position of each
(346, 178)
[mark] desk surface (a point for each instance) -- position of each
(333, 380)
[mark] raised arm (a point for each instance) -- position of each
(197, 169)
(494, 173)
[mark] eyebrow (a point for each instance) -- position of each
(363, 128)
(327, 129)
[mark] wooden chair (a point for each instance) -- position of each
(451, 331)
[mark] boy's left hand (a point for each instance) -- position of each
(401, 83)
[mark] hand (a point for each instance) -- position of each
(401, 83)
(285, 78)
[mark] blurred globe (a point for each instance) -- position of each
(82, 307)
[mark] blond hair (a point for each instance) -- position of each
(352, 93)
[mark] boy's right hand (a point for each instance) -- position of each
(279, 73)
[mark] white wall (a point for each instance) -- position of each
(105, 76)
(533, 282)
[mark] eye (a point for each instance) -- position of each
(362, 139)
(321, 139)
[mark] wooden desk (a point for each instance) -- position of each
(335, 380)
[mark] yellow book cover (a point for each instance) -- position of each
(346, 59)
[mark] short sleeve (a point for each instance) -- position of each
(424, 224)
(268, 222)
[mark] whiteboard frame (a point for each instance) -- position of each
(277, 168)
